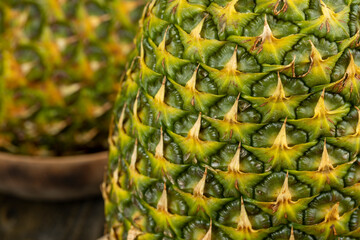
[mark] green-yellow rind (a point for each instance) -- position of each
(255, 103)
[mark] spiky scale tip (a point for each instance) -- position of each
(232, 115)
(292, 236)
(192, 82)
(162, 204)
(121, 119)
(159, 150)
(231, 65)
(162, 45)
(133, 233)
(259, 77)
(348, 85)
(160, 95)
(265, 36)
(234, 165)
(134, 156)
(195, 130)
(200, 186)
(244, 222)
(325, 164)
(279, 93)
(285, 194)
(208, 233)
(333, 214)
(280, 140)
(195, 32)
(320, 108)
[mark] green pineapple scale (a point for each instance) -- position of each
(238, 120)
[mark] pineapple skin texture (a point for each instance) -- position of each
(238, 120)
(61, 63)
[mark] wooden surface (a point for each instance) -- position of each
(27, 220)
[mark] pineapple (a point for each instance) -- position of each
(239, 120)
(61, 61)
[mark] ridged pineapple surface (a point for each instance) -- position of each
(239, 120)
(61, 62)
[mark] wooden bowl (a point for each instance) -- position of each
(52, 178)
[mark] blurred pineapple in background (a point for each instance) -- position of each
(61, 63)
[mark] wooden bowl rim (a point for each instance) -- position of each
(54, 178)
(4, 156)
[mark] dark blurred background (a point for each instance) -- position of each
(30, 220)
